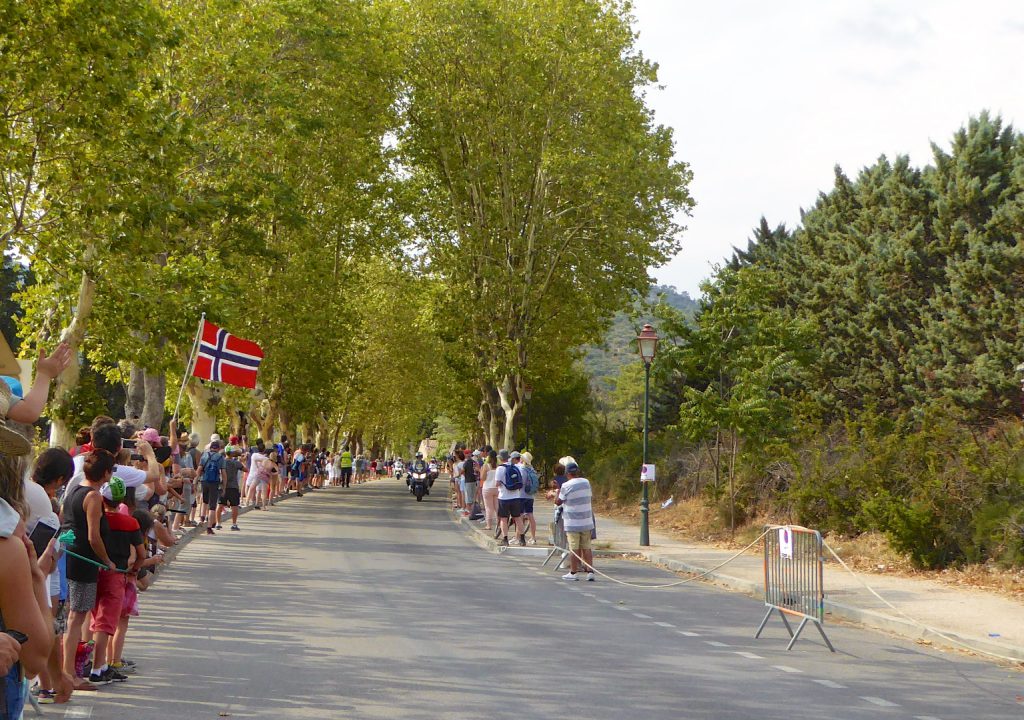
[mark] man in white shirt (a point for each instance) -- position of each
(107, 438)
(578, 515)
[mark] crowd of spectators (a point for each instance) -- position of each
(499, 488)
(83, 531)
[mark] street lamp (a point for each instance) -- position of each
(527, 394)
(647, 342)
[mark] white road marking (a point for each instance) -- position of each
(830, 684)
(621, 607)
(880, 702)
(748, 655)
(664, 624)
(787, 669)
(688, 633)
(715, 643)
(78, 712)
(602, 600)
(586, 594)
(642, 616)
(926, 717)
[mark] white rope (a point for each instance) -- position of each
(666, 585)
(915, 622)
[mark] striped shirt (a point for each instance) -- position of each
(577, 513)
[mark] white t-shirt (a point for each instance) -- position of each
(132, 476)
(577, 510)
(503, 492)
(39, 506)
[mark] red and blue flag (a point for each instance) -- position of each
(223, 357)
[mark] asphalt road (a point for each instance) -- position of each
(362, 603)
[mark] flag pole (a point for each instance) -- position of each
(190, 365)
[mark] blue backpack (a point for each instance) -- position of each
(211, 471)
(532, 482)
(513, 478)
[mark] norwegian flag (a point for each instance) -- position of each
(225, 358)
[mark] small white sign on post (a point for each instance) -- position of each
(646, 473)
(786, 543)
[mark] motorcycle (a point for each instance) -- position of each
(418, 485)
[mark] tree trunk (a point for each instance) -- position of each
(61, 435)
(135, 395)
(204, 421)
(264, 415)
(510, 406)
(155, 396)
(286, 426)
(495, 416)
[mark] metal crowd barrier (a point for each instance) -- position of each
(558, 541)
(794, 578)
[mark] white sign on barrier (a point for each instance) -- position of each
(786, 543)
(646, 473)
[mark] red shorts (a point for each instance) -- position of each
(109, 601)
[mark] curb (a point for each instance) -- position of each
(867, 618)
(906, 629)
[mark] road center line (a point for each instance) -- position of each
(687, 633)
(664, 624)
(787, 669)
(715, 643)
(748, 655)
(642, 616)
(829, 684)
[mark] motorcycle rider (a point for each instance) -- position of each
(418, 466)
(399, 466)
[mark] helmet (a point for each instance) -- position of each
(419, 456)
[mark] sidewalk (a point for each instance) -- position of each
(982, 620)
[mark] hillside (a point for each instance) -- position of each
(602, 362)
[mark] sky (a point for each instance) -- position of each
(766, 98)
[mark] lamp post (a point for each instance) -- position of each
(647, 342)
(527, 394)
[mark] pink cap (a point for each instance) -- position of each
(151, 436)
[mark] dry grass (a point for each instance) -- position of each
(691, 520)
